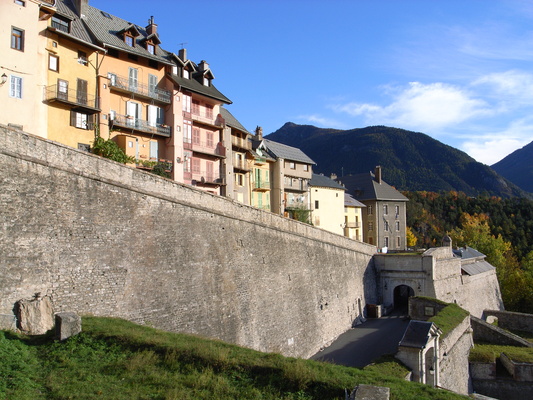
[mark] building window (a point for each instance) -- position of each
(128, 40)
(292, 165)
(385, 209)
(15, 87)
(369, 210)
(17, 39)
(196, 165)
(306, 167)
(196, 107)
(82, 58)
(386, 227)
(186, 103)
(53, 63)
(81, 120)
(209, 111)
(209, 140)
(398, 242)
(239, 179)
(397, 226)
(316, 204)
(20, 3)
(60, 24)
(133, 79)
(187, 132)
(151, 48)
(370, 226)
(196, 136)
(386, 242)
(397, 211)
(185, 73)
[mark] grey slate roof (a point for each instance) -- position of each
(194, 86)
(232, 121)
(467, 252)
(417, 334)
(107, 33)
(477, 267)
(279, 150)
(78, 29)
(364, 187)
(318, 180)
(349, 201)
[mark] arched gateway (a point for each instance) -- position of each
(401, 296)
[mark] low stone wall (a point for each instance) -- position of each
(521, 372)
(485, 332)
(101, 238)
(503, 389)
(512, 320)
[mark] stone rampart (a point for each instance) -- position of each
(512, 320)
(101, 238)
(484, 332)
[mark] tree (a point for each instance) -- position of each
(411, 238)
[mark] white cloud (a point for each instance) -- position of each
(492, 147)
(425, 107)
(322, 121)
(512, 88)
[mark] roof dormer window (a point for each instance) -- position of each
(150, 47)
(129, 40)
(60, 24)
(206, 81)
(186, 74)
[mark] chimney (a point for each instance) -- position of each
(333, 176)
(151, 28)
(203, 66)
(183, 54)
(81, 6)
(377, 174)
(259, 133)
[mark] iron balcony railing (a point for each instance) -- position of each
(71, 96)
(125, 84)
(261, 185)
(216, 149)
(206, 177)
(129, 122)
(241, 164)
(353, 224)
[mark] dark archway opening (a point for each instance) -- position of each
(401, 297)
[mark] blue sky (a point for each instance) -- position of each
(457, 70)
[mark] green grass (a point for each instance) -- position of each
(490, 352)
(116, 359)
(448, 318)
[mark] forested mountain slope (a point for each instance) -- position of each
(410, 160)
(518, 167)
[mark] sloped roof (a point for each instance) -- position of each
(349, 201)
(318, 180)
(107, 32)
(417, 334)
(194, 86)
(78, 29)
(477, 267)
(364, 187)
(232, 121)
(279, 150)
(467, 252)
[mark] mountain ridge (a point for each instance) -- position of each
(518, 167)
(410, 160)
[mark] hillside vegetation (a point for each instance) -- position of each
(410, 160)
(502, 229)
(518, 167)
(116, 359)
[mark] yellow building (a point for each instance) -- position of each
(327, 204)
(353, 226)
(71, 91)
(22, 66)
(260, 178)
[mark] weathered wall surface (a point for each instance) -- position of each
(512, 320)
(101, 238)
(484, 332)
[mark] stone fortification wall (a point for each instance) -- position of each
(479, 292)
(101, 238)
(484, 332)
(512, 320)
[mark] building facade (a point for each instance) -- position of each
(327, 204)
(384, 218)
(353, 217)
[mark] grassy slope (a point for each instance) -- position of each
(115, 359)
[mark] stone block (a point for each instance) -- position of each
(35, 316)
(67, 324)
(369, 392)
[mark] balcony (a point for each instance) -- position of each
(260, 186)
(205, 177)
(241, 143)
(208, 148)
(139, 125)
(353, 224)
(123, 84)
(241, 164)
(78, 100)
(260, 161)
(149, 165)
